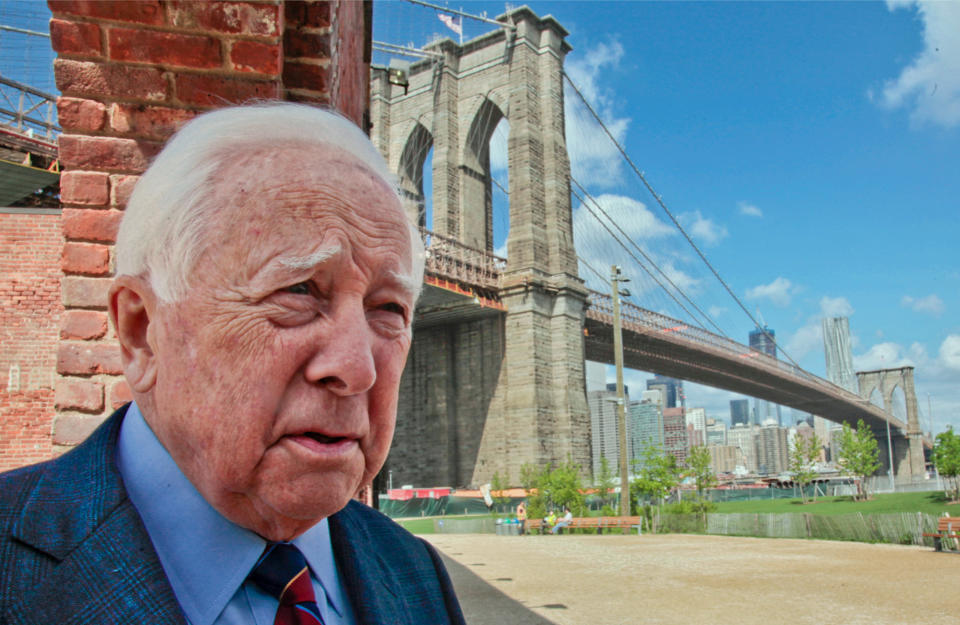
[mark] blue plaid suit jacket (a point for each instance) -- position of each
(73, 550)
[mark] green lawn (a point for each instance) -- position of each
(929, 502)
(425, 525)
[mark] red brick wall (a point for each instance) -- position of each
(30, 313)
(129, 74)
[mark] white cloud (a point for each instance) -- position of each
(594, 159)
(749, 210)
(807, 339)
(716, 311)
(778, 292)
(930, 304)
(950, 352)
(596, 246)
(835, 307)
(498, 148)
(884, 356)
(703, 228)
(930, 85)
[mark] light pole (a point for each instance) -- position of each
(615, 280)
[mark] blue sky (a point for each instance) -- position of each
(811, 150)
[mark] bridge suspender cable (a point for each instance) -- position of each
(660, 201)
(641, 263)
(648, 259)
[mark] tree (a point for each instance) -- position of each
(604, 483)
(553, 488)
(498, 490)
(698, 461)
(657, 476)
(802, 460)
(859, 455)
(946, 457)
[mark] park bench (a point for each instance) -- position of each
(947, 527)
(598, 523)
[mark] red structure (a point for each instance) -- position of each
(130, 73)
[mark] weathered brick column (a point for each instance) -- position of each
(130, 73)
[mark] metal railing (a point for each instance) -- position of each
(452, 260)
(642, 320)
(21, 107)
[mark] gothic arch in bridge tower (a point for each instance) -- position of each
(494, 381)
(909, 461)
(410, 172)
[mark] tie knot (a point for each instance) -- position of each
(282, 572)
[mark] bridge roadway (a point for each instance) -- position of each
(465, 281)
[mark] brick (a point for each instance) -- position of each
(156, 122)
(253, 56)
(83, 325)
(302, 44)
(106, 153)
(89, 358)
(121, 186)
(120, 394)
(86, 188)
(304, 76)
(80, 292)
(71, 429)
(142, 11)
(85, 258)
(90, 224)
(80, 38)
(76, 114)
(77, 394)
(99, 80)
(205, 90)
(312, 14)
(149, 46)
(240, 18)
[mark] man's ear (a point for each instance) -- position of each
(133, 308)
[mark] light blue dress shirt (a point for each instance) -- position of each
(206, 557)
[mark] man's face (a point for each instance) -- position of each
(278, 372)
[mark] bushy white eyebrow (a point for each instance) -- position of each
(313, 260)
(407, 283)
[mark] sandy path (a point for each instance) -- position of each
(581, 580)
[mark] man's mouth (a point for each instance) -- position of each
(323, 438)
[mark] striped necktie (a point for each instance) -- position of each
(282, 572)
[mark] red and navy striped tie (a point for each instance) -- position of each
(282, 572)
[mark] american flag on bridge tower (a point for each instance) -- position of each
(452, 23)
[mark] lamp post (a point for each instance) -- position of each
(615, 280)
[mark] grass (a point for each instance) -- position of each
(425, 525)
(928, 502)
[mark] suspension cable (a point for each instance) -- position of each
(663, 205)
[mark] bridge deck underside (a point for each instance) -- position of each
(667, 354)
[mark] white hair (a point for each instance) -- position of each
(165, 223)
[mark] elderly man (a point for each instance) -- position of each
(266, 281)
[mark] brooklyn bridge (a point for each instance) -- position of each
(496, 375)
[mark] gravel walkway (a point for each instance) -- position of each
(709, 580)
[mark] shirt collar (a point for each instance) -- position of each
(206, 557)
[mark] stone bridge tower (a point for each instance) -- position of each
(489, 389)
(908, 454)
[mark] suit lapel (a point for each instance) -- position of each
(370, 583)
(107, 570)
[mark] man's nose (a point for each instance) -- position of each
(343, 361)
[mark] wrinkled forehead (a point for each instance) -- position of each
(273, 196)
(328, 179)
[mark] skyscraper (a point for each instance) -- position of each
(739, 411)
(671, 390)
(836, 348)
(762, 340)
